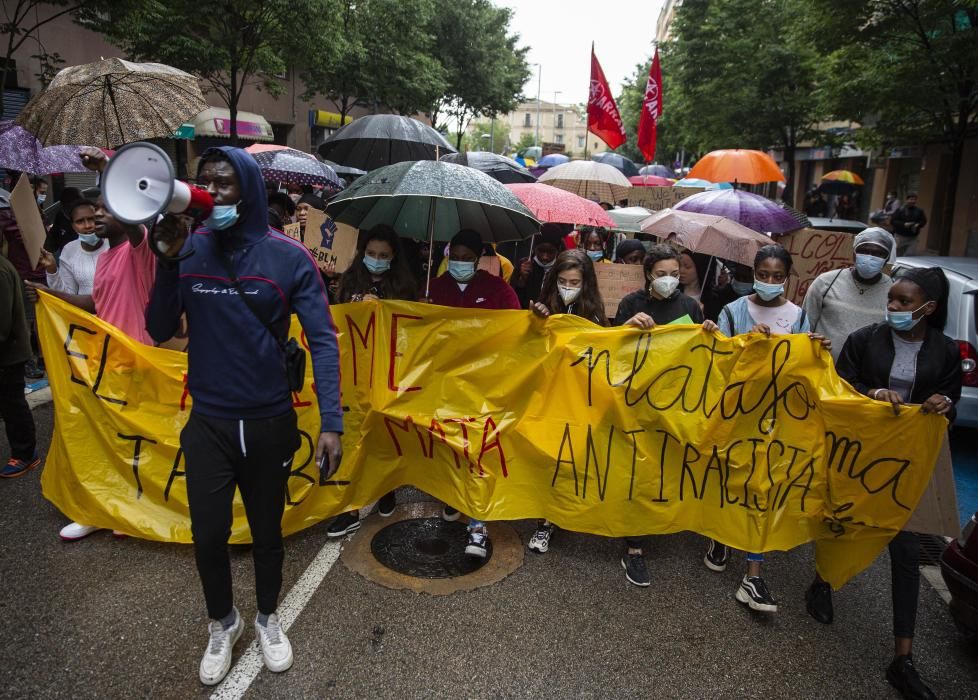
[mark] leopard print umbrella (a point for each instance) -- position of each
(112, 102)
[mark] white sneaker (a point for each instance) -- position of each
(217, 657)
(275, 646)
(76, 531)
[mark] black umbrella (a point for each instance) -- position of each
(505, 170)
(345, 170)
(377, 140)
(618, 162)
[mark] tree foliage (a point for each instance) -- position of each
(229, 44)
(383, 56)
(484, 67)
(473, 139)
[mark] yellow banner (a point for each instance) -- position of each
(753, 441)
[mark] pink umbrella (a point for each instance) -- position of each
(263, 147)
(554, 205)
(650, 181)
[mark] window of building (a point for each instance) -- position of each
(558, 138)
(580, 142)
(560, 121)
(527, 119)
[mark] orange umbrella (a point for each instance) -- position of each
(846, 176)
(737, 165)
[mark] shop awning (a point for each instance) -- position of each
(330, 120)
(216, 121)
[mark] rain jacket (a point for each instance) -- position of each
(236, 368)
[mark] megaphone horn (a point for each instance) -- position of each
(139, 184)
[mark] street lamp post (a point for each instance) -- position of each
(536, 139)
(556, 92)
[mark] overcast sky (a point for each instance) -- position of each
(559, 34)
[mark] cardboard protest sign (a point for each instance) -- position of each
(937, 512)
(293, 231)
(659, 198)
(330, 242)
(812, 253)
(28, 217)
(615, 281)
(752, 440)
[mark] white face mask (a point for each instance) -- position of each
(665, 286)
(568, 295)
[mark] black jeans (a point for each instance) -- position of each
(17, 418)
(905, 577)
(256, 457)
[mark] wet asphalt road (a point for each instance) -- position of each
(104, 618)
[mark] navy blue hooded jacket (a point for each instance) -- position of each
(236, 368)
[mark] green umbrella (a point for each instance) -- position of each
(433, 200)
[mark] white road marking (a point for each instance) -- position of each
(243, 674)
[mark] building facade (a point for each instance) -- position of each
(666, 16)
(561, 124)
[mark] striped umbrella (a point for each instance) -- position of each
(840, 182)
(296, 168)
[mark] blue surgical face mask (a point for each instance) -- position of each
(461, 271)
(768, 291)
(595, 255)
(868, 266)
(742, 288)
(224, 216)
(376, 266)
(90, 239)
(903, 320)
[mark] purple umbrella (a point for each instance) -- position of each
(751, 210)
(19, 150)
(296, 168)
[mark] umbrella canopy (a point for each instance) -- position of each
(296, 168)
(624, 165)
(693, 182)
(552, 159)
(19, 150)
(498, 167)
(751, 210)
(629, 218)
(656, 169)
(589, 179)
(802, 220)
(554, 205)
(263, 147)
(113, 102)
(840, 182)
(377, 140)
(345, 170)
(737, 165)
(707, 234)
(649, 181)
(433, 200)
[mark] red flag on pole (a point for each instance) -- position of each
(603, 119)
(651, 110)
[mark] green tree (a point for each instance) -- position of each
(383, 57)
(475, 139)
(19, 22)
(484, 68)
(229, 44)
(741, 73)
(907, 72)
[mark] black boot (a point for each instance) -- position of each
(818, 601)
(904, 677)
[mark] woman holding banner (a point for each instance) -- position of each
(765, 311)
(660, 303)
(570, 287)
(907, 359)
(379, 271)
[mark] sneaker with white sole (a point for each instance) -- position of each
(76, 531)
(753, 593)
(717, 556)
(217, 657)
(540, 541)
(478, 543)
(344, 524)
(276, 648)
(449, 514)
(636, 570)
(387, 504)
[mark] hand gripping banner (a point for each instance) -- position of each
(753, 441)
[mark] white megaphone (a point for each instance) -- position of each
(139, 184)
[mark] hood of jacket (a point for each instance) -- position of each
(252, 224)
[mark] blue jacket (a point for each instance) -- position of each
(236, 368)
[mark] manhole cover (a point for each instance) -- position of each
(426, 548)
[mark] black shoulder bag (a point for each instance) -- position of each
(292, 352)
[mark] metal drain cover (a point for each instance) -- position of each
(426, 548)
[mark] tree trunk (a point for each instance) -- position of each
(950, 199)
(789, 186)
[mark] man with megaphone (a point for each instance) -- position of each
(238, 282)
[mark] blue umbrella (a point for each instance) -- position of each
(552, 159)
(617, 161)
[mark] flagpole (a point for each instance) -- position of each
(587, 110)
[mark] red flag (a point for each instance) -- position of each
(603, 118)
(651, 110)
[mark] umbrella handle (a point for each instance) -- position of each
(431, 244)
